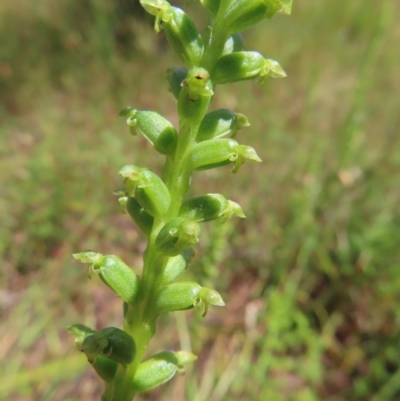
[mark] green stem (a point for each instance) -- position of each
(193, 102)
(139, 319)
(215, 47)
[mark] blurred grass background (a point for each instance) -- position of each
(311, 278)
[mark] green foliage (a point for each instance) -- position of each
(174, 229)
(290, 346)
(66, 42)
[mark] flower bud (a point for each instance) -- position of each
(160, 368)
(175, 77)
(183, 36)
(155, 371)
(219, 123)
(148, 189)
(239, 66)
(161, 9)
(211, 5)
(177, 296)
(104, 367)
(243, 14)
(233, 44)
(177, 265)
(143, 220)
(111, 343)
(177, 235)
(197, 83)
(156, 129)
(210, 207)
(220, 152)
(195, 95)
(152, 194)
(114, 272)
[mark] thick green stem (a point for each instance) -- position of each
(215, 47)
(139, 319)
(158, 205)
